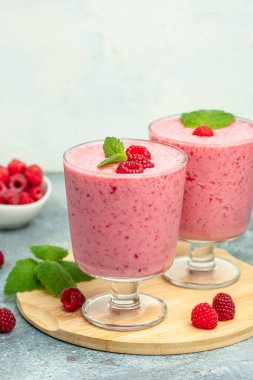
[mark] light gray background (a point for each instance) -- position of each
(78, 70)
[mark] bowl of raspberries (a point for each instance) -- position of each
(23, 192)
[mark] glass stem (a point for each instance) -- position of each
(124, 295)
(201, 256)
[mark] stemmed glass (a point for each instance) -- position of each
(124, 229)
(217, 200)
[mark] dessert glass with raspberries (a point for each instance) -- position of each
(124, 220)
(21, 187)
(218, 196)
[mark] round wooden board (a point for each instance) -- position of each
(175, 335)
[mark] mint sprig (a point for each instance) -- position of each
(54, 277)
(114, 151)
(52, 273)
(22, 278)
(214, 119)
(48, 252)
(75, 273)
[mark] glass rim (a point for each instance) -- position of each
(136, 175)
(198, 143)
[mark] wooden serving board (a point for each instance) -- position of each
(175, 335)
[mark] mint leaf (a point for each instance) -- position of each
(54, 277)
(119, 157)
(74, 272)
(114, 151)
(214, 119)
(22, 278)
(49, 252)
(112, 146)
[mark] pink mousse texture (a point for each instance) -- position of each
(219, 180)
(124, 225)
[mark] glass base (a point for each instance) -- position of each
(223, 273)
(149, 312)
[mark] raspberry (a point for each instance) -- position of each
(224, 306)
(16, 166)
(4, 174)
(24, 198)
(3, 190)
(7, 321)
(203, 131)
(11, 197)
(136, 149)
(72, 299)
(36, 192)
(1, 259)
(129, 167)
(18, 182)
(204, 317)
(34, 175)
(145, 163)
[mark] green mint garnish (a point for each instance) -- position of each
(112, 146)
(22, 278)
(73, 270)
(119, 157)
(54, 277)
(214, 119)
(48, 252)
(114, 151)
(52, 273)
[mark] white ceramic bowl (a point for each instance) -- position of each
(15, 216)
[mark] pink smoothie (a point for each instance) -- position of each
(219, 181)
(124, 225)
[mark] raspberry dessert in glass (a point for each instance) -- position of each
(218, 192)
(124, 219)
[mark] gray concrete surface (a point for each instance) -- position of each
(28, 354)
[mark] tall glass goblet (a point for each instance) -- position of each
(217, 200)
(124, 228)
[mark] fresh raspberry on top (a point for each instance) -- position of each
(24, 198)
(16, 166)
(72, 299)
(203, 131)
(145, 163)
(7, 321)
(224, 306)
(18, 182)
(1, 259)
(204, 317)
(129, 167)
(36, 192)
(4, 174)
(137, 149)
(34, 175)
